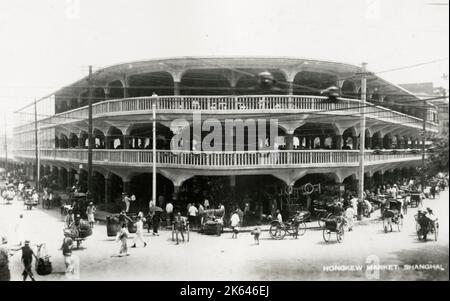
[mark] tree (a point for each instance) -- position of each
(437, 160)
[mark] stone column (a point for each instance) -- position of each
(355, 142)
(126, 142)
(368, 142)
(108, 190)
(338, 142)
(176, 88)
(81, 141)
(126, 186)
(69, 177)
(289, 141)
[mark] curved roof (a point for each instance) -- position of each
(287, 65)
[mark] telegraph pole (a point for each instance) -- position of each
(90, 138)
(36, 145)
(6, 150)
(154, 152)
(362, 131)
(424, 130)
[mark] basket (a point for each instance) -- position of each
(331, 224)
(44, 266)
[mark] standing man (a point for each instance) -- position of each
(5, 274)
(179, 225)
(156, 219)
(169, 213)
(90, 211)
(192, 214)
(27, 259)
(66, 248)
(235, 224)
(139, 232)
(126, 200)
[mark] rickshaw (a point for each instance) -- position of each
(334, 225)
(213, 221)
(295, 226)
(80, 233)
(416, 199)
(426, 224)
(393, 214)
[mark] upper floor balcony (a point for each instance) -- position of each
(233, 106)
(223, 160)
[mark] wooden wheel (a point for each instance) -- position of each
(326, 235)
(277, 231)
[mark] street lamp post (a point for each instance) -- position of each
(154, 96)
(362, 132)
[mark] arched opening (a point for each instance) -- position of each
(141, 136)
(63, 141)
(99, 139)
(139, 186)
(317, 136)
(312, 83)
(114, 139)
(387, 141)
(349, 139)
(73, 140)
(205, 82)
(98, 187)
(251, 83)
(116, 89)
(377, 142)
(348, 89)
(146, 84)
(98, 95)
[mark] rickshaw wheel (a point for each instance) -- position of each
(326, 235)
(385, 226)
(277, 231)
(301, 228)
(420, 235)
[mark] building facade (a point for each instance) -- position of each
(317, 138)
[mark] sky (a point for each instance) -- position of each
(47, 44)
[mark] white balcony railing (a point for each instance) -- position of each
(214, 160)
(230, 104)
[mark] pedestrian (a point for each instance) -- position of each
(5, 274)
(279, 216)
(70, 218)
(192, 214)
(206, 204)
(240, 213)
(66, 248)
(122, 236)
(349, 215)
(256, 232)
(126, 200)
(27, 260)
(156, 219)
(20, 230)
(235, 224)
(139, 232)
(179, 224)
(201, 213)
(169, 213)
(90, 211)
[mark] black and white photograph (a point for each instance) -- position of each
(224, 141)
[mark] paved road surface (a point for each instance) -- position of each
(223, 258)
